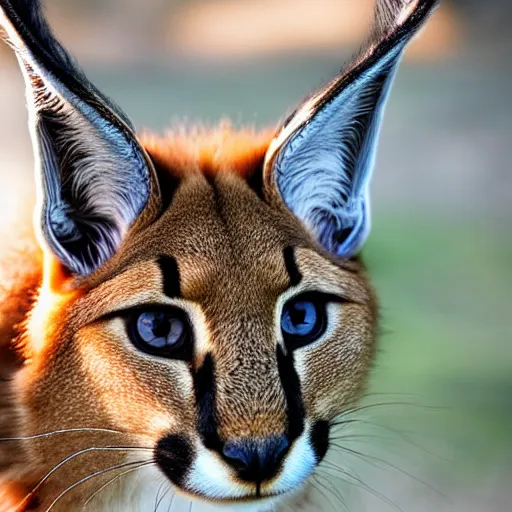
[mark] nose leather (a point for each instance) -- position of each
(256, 459)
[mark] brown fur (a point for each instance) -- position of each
(211, 201)
(205, 230)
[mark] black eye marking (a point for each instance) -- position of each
(291, 266)
(160, 331)
(293, 393)
(170, 276)
(304, 319)
(205, 393)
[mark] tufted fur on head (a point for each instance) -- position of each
(209, 150)
(196, 312)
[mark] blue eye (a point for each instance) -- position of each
(159, 329)
(303, 321)
(163, 333)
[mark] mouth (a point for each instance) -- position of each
(234, 500)
(205, 475)
(251, 502)
(233, 492)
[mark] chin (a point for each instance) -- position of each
(250, 504)
(144, 490)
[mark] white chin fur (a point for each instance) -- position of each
(143, 490)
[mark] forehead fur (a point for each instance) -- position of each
(210, 150)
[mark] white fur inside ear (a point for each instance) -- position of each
(324, 169)
(406, 12)
(390, 14)
(322, 158)
(93, 179)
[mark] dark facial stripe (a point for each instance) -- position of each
(291, 386)
(204, 387)
(291, 266)
(320, 439)
(170, 276)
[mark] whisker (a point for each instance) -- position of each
(401, 437)
(358, 409)
(402, 434)
(169, 488)
(333, 491)
(112, 480)
(172, 501)
(324, 494)
(359, 401)
(364, 457)
(399, 432)
(390, 394)
(392, 445)
(93, 475)
(357, 437)
(359, 483)
(160, 487)
(71, 457)
(63, 431)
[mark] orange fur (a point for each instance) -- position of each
(20, 277)
(185, 150)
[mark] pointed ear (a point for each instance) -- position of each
(321, 161)
(94, 177)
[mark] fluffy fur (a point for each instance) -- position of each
(233, 211)
(209, 150)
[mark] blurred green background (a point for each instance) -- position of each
(441, 247)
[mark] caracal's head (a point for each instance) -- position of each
(202, 298)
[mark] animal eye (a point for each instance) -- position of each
(162, 333)
(303, 320)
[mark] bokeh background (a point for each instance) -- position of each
(441, 247)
